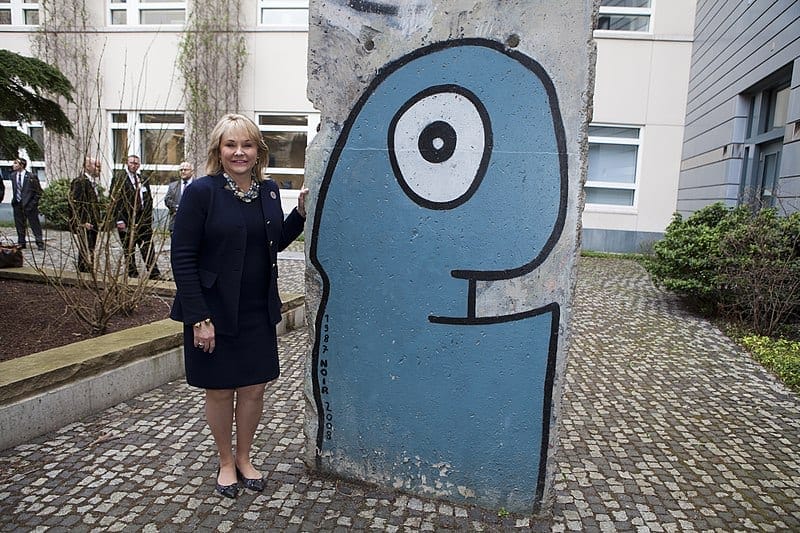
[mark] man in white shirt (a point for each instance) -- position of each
(26, 191)
(132, 205)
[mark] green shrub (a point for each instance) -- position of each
(686, 259)
(759, 269)
(780, 356)
(741, 265)
(54, 204)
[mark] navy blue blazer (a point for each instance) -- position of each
(208, 245)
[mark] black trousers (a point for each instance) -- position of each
(142, 237)
(87, 241)
(24, 216)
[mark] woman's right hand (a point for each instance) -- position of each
(204, 337)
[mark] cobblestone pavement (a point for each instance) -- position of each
(665, 426)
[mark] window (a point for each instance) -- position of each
(768, 104)
(35, 130)
(157, 138)
(283, 14)
(613, 165)
(287, 137)
(19, 12)
(146, 12)
(625, 15)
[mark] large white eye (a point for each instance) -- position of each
(439, 146)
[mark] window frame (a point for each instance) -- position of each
(135, 139)
(762, 138)
(275, 5)
(628, 11)
(133, 11)
(18, 9)
(638, 142)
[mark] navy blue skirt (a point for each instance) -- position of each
(250, 357)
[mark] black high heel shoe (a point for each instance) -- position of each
(256, 484)
(229, 491)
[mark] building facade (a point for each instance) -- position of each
(742, 138)
(643, 53)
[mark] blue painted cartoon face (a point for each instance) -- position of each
(451, 170)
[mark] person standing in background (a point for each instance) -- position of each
(85, 205)
(175, 191)
(26, 191)
(132, 205)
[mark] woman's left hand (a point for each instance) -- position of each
(301, 201)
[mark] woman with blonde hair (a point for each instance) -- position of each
(228, 232)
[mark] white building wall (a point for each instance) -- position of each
(138, 71)
(641, 81)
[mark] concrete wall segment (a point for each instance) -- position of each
(359, 65)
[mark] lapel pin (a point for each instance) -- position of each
(273, 195)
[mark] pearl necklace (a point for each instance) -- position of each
(246, 197)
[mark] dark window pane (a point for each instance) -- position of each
(120, 118)
(612, 162)
(120, 145)
(162, 147)
(623, 22)
(31, 17)
(162, 16)
(611, 131)
(161, 118)
(5, 16)
(283, 120)
(37, 132)
(119, 17)
(598, 195)
(287, 149)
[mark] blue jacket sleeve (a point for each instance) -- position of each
(187, 242)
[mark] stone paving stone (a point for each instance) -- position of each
(666, 426)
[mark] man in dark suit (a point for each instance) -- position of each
(132, 205)
(27, 190)
(85, 205)
(175, 191)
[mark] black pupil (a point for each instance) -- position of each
(437, 142)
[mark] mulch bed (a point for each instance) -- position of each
(33, 318)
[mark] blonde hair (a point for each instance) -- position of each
(234, 122)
